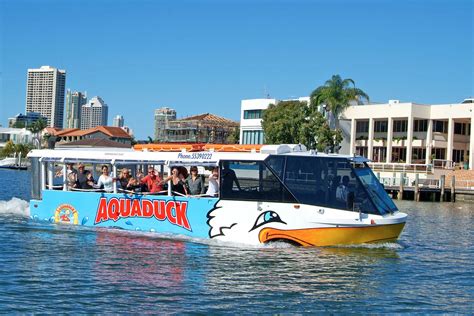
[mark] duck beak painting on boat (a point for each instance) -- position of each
(267, 225)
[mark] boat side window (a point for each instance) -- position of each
(306, 177)
(251, 181)
(327, 182)
(277, 164)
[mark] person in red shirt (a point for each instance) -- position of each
(152, 181)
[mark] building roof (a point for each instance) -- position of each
(208, 117)
(52, 130)
(94, 142)
(110, 131)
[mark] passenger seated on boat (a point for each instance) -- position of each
(85, 180)
(178, 184)
(195, 182)
(139, 174)
(134, 185)
(124, 178)
(153, 181)
(228, 178)
(105, 181)
(213, 188)
(71, 175)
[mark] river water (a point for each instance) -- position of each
(45, 269)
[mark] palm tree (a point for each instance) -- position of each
(36, 128)
(337, 94)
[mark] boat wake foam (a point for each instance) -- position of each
(16, 207)
(385, 245)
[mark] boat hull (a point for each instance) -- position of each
(211, 218)
(329, 236)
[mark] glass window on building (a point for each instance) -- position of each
(400, 126)
(439, 153)
(440, 126)
(253, 137)
(458, 155)
(253, 114)
(418, 154)
(362, 126)
(362, 151)
(460, 128)
(380, 127)
(420, 125)
(399, 154)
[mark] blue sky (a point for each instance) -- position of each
(206, 56)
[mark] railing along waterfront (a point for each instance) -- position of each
(426, 183)
(401, 167)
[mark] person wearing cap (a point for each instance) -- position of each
(84, 178)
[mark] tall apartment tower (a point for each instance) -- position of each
(45, 94)
(94, 113)
(162, 116)
(74, 102)
(118, 121)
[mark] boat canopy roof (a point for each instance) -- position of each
(177, 157)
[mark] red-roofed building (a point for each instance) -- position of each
(115, 134)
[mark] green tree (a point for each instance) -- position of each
(294, 122)
(19, 125)
(36, 128)
(337, 94)
(282, 122)
(234, 136)
(22, 149)
(8, 150)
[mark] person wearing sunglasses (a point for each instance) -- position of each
(195, 182)
(152, 181)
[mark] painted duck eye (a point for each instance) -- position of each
(265, 218)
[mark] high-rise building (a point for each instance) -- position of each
(45, 94)
(162, 117)
(22, 120)
(118, 121)
(74, 101)
(94, 113)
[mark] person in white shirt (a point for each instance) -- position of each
(342, 190)
(213, 188)
(106, 180)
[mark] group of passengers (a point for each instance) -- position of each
(181, 182)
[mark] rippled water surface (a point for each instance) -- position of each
(44, 268)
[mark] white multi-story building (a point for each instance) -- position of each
(16, 135)
(412, 133)
(118, 121)
(162, 117)
(94, 113)
(251, 114)
(74, 102)
(45, 94)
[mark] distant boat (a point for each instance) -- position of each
(13, 163)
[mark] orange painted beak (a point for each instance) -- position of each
(331, 236)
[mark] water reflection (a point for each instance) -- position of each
(70, 268)
(138, 259)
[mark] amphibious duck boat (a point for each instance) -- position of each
(273, 193)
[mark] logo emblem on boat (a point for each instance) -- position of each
(66, 214)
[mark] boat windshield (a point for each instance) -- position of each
(374, 189)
